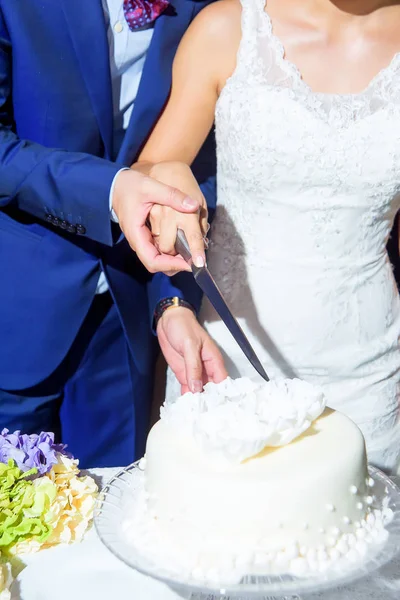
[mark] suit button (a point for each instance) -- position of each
(80, 229)
(71, 228)
(64, 224)
(49, 218)
(56, 221)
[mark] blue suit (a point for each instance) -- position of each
(56, 169)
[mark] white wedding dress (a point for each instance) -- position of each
(308, 188)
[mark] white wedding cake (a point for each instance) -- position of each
(247, 478)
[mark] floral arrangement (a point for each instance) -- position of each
(43, 499)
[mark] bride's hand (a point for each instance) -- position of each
(189, 350)
(165, 221)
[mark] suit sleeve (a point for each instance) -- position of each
(41, 181)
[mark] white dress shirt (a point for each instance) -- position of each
(128, 51)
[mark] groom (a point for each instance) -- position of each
(82, 83)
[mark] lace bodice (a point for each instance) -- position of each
(262, 58)
(308, 187)
(304, 170)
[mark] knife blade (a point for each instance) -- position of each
(207, 284)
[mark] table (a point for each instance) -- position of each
(88, 571)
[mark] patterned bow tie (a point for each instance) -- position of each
(139, 14)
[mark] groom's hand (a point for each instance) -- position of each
(135, 194)
(189, 350)
(166, 221)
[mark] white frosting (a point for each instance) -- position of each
(263, 501)
(236, 419)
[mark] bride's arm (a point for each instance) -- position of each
(205, 58)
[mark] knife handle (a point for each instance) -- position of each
(182, 246)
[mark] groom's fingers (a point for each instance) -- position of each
(134, 196)
(150, 256)
(156, 192)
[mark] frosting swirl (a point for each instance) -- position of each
(236, 419)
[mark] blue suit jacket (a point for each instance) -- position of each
(56, 123)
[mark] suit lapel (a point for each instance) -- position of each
(88, 33)
(155, 83)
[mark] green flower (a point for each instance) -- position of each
(23, 506)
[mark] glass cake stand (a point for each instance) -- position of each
(111, 512)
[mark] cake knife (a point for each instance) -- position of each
(207, 284)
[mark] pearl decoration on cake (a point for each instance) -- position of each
(291, 557)
(353, 555)
(369, 500)
(261, 558)
(359, 505)
(305, 526)
(322, 555)
(321, 530)
(330, 508)
(334, 554)
(361, 533)
(351, 540)
(370, 482)
(292, 552)
(242, 561)
(362, 547)
(142, 463)
(299, 566)
(346, 520)
(342, 546)
(197, 573)
(354, 490)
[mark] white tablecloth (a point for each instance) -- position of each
(88, 571)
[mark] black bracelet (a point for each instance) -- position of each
(166, 303)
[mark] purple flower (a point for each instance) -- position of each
(30, 451)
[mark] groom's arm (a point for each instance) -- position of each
(71, 190)
(44, 181)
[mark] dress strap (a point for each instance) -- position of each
(258, 57)
(253, 26)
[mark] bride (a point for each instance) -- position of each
(306, 100)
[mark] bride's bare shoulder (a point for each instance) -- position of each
(211, 43)
(225, 8)
(220, 19)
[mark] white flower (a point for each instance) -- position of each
(6, 580)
